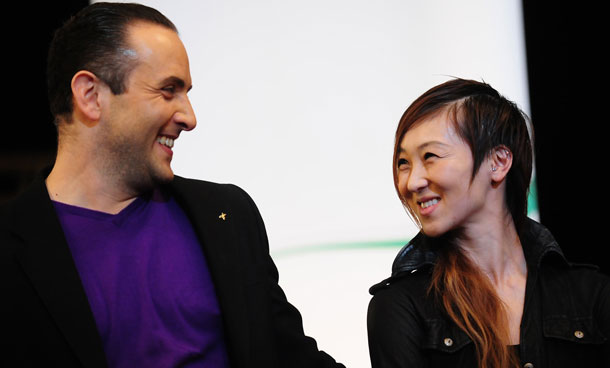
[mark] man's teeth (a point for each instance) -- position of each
(166, 141)
(429, 203)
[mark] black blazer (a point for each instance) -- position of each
(46, 317)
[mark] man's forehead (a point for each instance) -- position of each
(143, 34)
(158, 50)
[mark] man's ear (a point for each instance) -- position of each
(501, 162)
(86, 88)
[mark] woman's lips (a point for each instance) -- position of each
(427, 205)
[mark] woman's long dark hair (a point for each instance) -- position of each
(485, 120)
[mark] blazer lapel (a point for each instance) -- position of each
(46, 259)
(218, 237)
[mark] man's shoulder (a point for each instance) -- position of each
(205, 200)
(33, 198)
(26, 216)
(189, 186)
(184, 181)
(188, 190)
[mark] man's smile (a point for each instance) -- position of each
(166, 141)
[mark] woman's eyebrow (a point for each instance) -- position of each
(432, 143)
(425, 145)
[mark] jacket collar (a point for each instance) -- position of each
(203, 202)
(46, 260)
(419, 253)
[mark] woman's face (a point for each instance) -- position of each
(435, 177)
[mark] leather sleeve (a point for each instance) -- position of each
(394, 332)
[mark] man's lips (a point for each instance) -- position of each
(165, 141)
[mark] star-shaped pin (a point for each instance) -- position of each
(223, 216)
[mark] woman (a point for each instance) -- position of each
(481, 285)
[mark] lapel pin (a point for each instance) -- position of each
(223, 216)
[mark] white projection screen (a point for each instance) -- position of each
(297, 103)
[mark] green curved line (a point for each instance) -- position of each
(532, 199)
(340, 247)
(298, 250)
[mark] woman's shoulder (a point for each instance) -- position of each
(411, 267)
(400, 300)
(578, 276)
(405, 293)
(578, 290)
(406, 290)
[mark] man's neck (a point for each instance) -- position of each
(84, 186)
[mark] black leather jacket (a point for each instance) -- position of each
(565, 322)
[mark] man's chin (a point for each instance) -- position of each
(154, 179)
(163, 178)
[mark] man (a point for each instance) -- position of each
(111, 260)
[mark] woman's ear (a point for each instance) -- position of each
(85, 96)
(501, 162)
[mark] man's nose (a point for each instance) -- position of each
(185, 116)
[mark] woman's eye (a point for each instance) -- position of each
(402, 163)
(429, 155)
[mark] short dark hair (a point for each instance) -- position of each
(94, 39)
(485, 120)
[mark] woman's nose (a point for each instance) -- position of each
(417, 179)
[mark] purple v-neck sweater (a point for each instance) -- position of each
(148, 285)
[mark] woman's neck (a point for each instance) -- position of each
(494, 247)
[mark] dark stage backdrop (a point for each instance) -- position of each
(568, 96)
(27, 123)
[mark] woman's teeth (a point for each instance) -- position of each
(166, 141)
(428, 203)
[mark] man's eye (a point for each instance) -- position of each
(169, 89)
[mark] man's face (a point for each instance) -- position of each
(139, 126)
